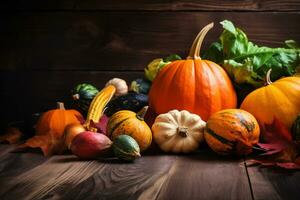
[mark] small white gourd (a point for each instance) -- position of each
(178, 131)
(120, 84)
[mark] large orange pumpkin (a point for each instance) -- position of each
(50, 129)
(199, 86)
(280, 99)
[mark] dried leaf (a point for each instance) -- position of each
(12, 135)
(280, 149)
(276, 132)
(48, 144)
(271, 148)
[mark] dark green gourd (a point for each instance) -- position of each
(126, 148)
(83, 95)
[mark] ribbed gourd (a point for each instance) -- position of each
(126, 148)
(232, 131)
(126, 122)
(97, 106)
(83, 95)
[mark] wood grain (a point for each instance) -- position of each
(181, 5)
(274, 183)
(10, 5)
(53, 174)
(161, 5)
(122, 40)
(13, 163)
(141, 180)
(207, 176)
(150, 177)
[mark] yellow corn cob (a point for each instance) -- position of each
(97, 106)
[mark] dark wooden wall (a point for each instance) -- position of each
(47, 47)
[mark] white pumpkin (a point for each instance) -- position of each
(120, 84)
(178, 131)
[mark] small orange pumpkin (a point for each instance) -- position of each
(232, 131)
(50, 129)
(280, 99)
(126, 122)
(198, 86)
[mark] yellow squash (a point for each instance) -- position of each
(280, 99)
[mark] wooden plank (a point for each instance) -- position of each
(13, 163)
(274, 184)
(200, 176)
(206, 176)
(140, 180)
(58, 172)
(161, 5)
(37, 5)
(123, 40)
(179, 5)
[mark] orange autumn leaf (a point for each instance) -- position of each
(47, 143)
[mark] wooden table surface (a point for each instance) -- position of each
(203, 175)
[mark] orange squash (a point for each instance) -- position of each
(50, 129)
(199, 86)
(280, 99)
(232, 131)
(126, 122)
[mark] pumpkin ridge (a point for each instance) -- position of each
(209, 97)
(198, 79)
(186, 77)
(177, 74)
(282, 94)
(163, 75)
(293, 86)
(220, 81)
(250, 127)
(218, 137)
(117, 125)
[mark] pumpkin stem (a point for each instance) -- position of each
(196, 46)
(141, 114)
(76, 96)
(268, 77)
(182, 131)
(60, 106)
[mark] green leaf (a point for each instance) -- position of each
(247, 62)
(172, 58)
(156, 65)
(215, 52)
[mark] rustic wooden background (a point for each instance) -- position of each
(47, 47)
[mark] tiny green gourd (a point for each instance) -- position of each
(296, 129)
(83, 95)
(126, 148)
